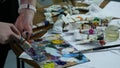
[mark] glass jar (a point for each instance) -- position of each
(111, 33)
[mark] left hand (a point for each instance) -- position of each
(24, 22)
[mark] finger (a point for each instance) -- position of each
(29, 29)
(11, 38)
(26, 35)
(15, 30)
(2, 42)
(28, 32)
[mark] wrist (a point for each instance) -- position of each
(26, 7)
(27, 15)
(27, 11)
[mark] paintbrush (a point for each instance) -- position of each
(24, 45)
(97, 48)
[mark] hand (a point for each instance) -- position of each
(24, 22)
(7, 30)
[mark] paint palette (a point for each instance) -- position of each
(58, 51)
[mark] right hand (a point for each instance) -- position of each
(7, 30)
(24, 23)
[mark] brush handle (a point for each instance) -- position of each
(98, 48)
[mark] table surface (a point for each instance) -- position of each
(39, 17)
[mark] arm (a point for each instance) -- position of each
(25, 20)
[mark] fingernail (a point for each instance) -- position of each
(23, 30)
(27, 33)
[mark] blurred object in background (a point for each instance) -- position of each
(41, 3)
